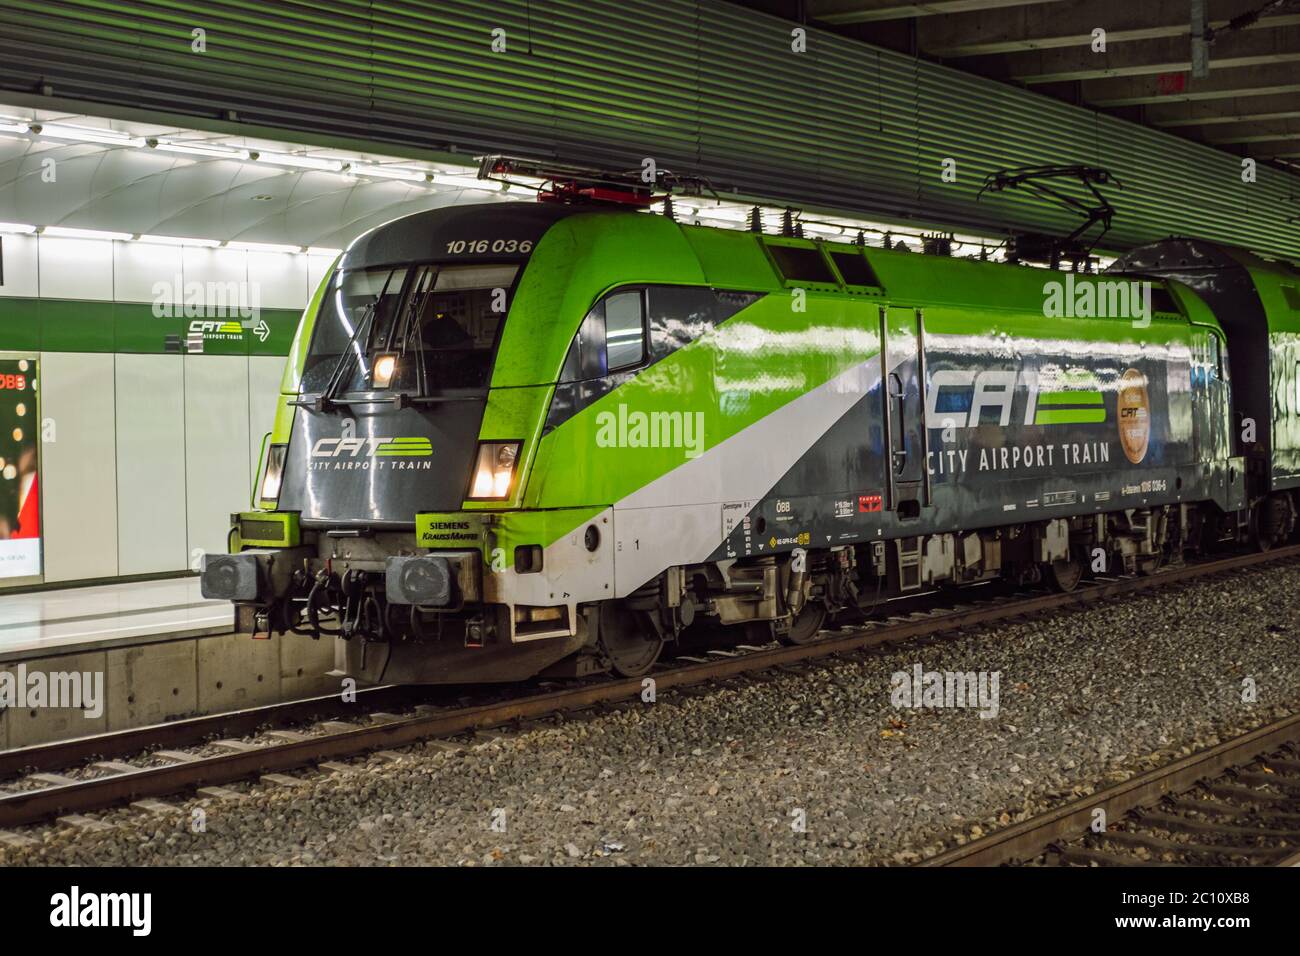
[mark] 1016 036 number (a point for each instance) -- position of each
(478, 247)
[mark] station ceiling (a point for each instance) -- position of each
(838, 127)
(104, 175)
(1245, 98)
(62, 171)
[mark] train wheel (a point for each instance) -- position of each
(1064, 575)
(628, 640)
(1268, 520)
(805, 627)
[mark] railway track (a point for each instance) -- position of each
(159, 767)
(1234, 804)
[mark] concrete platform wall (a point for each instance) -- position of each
(153, 683)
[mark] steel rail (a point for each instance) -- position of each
(1030, 838)
(60, 754)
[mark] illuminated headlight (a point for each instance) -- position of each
(384, 367)
(274, 472)
(494, 470)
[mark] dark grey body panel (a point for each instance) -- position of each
(991, 474)
(424, 236)
(371, 490)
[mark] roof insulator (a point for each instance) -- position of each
(755, 220)
(861, 240)
(938, 245)
(668, 208)
(889, 241)
(787, 223)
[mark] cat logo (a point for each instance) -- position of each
(205, 328)
(974, 399)
(1134, 413)
(410, 447)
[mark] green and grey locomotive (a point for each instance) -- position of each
(516, 439)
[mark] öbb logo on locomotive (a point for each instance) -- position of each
(936, 432)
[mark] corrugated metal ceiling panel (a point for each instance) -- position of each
(698, 85)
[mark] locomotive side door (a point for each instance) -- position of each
(1216, 435)
(902, 373)
(1215, 422)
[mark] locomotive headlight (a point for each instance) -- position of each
(274, 472)
(494, 470)
(384, 367)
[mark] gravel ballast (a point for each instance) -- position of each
(795, 768)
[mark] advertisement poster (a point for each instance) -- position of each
(20, 507)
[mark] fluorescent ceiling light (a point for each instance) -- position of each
(196, 149)
(388, 172)
(20, 227)
(301, 162)
(86, 134)
(180, 241)
(830, 232)
(322, 251)
(262, 247)
(19, 127)
(466, 182)
(731, 214)
(67, 232)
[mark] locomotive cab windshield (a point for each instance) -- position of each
(420, 329)
(392, 393)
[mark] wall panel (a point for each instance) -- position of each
(143, 271)
(78, 479)
(264, 373)
(280, 279)
(76, 269)
(20, 266)
(216, 447)
(151, 464)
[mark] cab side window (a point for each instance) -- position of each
(611, 338)
(625, 329)
(1213, 359)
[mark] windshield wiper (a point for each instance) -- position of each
(406, 325)
(325, 400)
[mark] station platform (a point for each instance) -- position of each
(38, 623)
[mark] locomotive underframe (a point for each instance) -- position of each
(335, 586)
